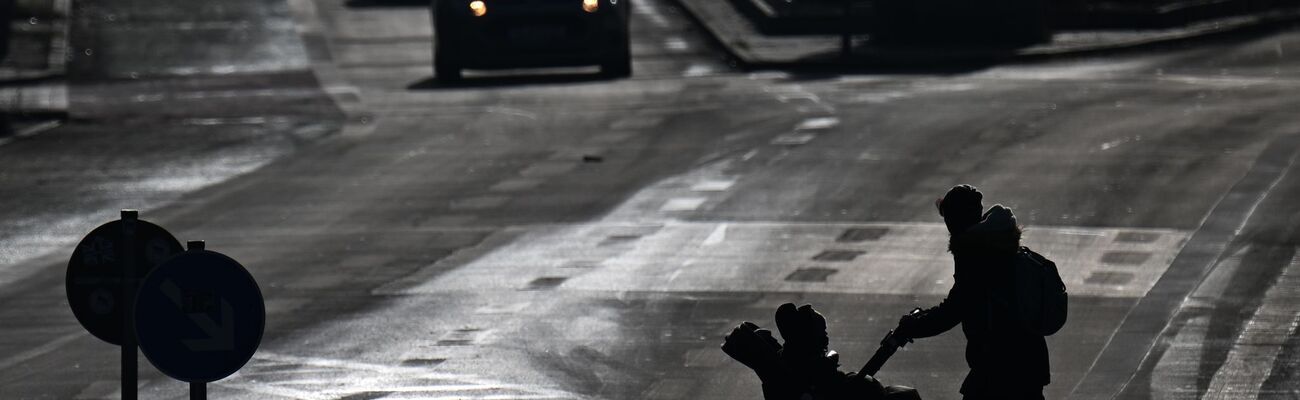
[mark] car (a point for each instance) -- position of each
(500, 34)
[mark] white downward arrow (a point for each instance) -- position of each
(221, 337)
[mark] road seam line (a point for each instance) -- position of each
(1260, 343)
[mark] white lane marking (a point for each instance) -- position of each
(717, 236)
(676, 44)
(1251, 359)
(31, 131)
(1119, 142)
(713, 185)
(38, 350)
(651, 11)
(683, 204)
(1080, 232)
(821, 123)
(696, 70)
(1260, 200)
(793, 139)
(751, 154)
(514, 112)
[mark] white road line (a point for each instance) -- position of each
(1260, 200)
(515, 112)
(719, 234)
(793, 139)
(1251, 359)
(39, 350)
(814, 124)
(696, 70)
(676, 44)
(683, 204)
(713, 185)
(31, 131)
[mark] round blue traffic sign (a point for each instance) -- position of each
(98, 272)
(199, 317)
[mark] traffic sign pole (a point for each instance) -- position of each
(129, 287)
(198, 391)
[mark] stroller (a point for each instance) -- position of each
(804, 367)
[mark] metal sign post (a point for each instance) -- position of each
(103, 276)
(198, 391)
(130, 373)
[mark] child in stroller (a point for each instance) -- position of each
(804, 368)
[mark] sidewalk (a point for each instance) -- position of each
(32, 75)
(751, 47)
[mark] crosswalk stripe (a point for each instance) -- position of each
(899, 258)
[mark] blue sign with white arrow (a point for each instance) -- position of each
(199, 316)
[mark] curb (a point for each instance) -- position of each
(1066, 44)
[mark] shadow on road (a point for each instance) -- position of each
(878, 61)
(432, 83)
(901, 60)
(387, 3)
(823, 71)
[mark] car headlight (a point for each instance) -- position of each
(478, 7)
(590, 5)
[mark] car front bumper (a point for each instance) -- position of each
(534, 36)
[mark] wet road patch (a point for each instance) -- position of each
(1109, 278)
(1125, 257)
(1137, 237)
(855, 235)
(546, 283)
(811, 274)
(838, 255)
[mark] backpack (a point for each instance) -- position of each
(1042, 303)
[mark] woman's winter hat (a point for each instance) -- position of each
(961, 208)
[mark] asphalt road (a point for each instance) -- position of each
(553, 234)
